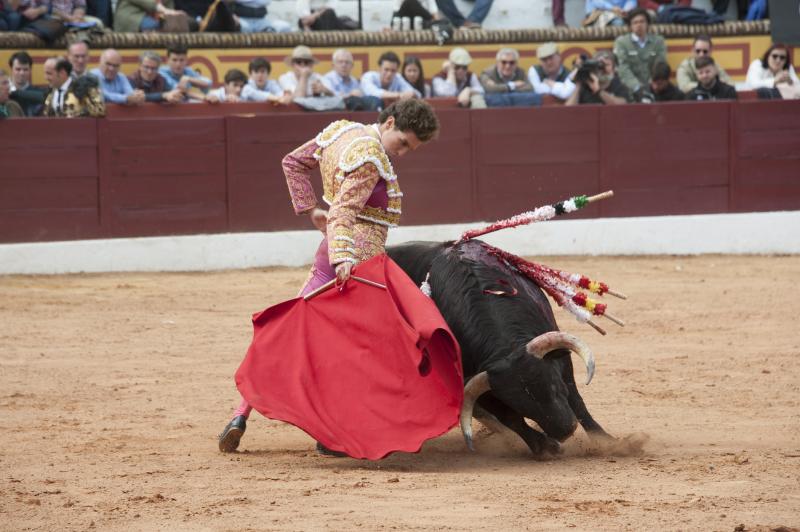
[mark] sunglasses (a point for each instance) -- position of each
(302, 61)
(461, 67)
(778, 56)
(115, 65)
(508, 62)
(701, 51)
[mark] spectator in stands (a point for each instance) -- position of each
(182, 77)
(654, 6)
(687, 74)
(597, 82)
(557, 10)
(78, 55)
(660, 89)
(709, 87)
(550, 76)
(251, 15)
(301, 81)
(28, 97)
(341, 82)
(148, 80)
(69, 97)
(11, 18)
(472, 21)
(259, 87)
(413, 74)
(457, 80)
(142, 15)
(231, 91)
(114, 86)
(385, 83)
(68, 11)
(20, 64)
(775, 71)
(29, 11)
(102, 10)
(320, 15)
(506, 84)
(415, 8)
(8, 108)
(602, 13)
(638, 51)
(305, 86)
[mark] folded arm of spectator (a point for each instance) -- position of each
(35, 9)
(609, 5)
(272, 94)
(490, 85)
(400, 88)
(559, 89)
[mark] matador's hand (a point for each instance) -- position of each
(343, 272)
(319, 217)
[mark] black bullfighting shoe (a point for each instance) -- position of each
(324, 451)
(233, 432)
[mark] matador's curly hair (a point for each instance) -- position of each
(413, 115)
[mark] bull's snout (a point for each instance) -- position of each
(562, 429)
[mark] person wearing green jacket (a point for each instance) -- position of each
(141, 15)
(638, 51)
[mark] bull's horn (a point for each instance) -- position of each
(544, 343)
(476, 386)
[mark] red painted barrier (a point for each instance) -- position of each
(71, 179)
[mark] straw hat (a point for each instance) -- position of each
(546, 50)
(301, 52)
(459, 56)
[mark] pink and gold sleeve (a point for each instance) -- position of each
(353, 194)
(297, 167)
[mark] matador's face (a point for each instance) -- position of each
(397, 143)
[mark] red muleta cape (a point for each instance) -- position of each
(366, 371)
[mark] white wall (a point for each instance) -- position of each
(769, 232)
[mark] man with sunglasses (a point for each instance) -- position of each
(301, 81)
(687, 73)
(506, 84)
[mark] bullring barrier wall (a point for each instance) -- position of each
(64, 179)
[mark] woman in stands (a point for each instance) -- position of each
(412, 72)
(362, 190)
(775, 71)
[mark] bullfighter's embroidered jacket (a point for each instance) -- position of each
(358, 183)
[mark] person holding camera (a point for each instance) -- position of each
(597, 82)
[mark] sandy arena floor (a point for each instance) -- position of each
(113, 389)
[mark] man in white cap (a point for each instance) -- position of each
(455, 79)
(550, 76)
(302, 81)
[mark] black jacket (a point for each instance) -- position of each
(718, 91)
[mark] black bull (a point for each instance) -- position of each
(500, 318)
